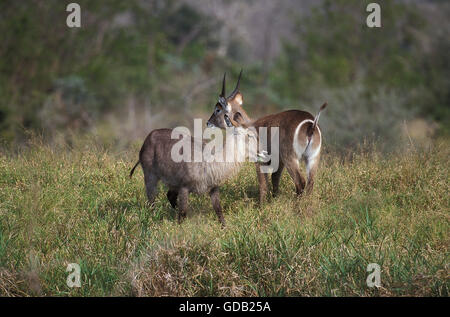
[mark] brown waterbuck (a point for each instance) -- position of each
(300, 138)
(186, 176)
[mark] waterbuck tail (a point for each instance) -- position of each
(316, 120)
(132, 170)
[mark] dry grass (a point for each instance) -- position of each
(76, 205)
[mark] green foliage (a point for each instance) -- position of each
(161, 56)
(337, 47)
(122, 49)
(335, 50)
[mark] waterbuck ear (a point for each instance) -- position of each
(238, 118)
(238, 99)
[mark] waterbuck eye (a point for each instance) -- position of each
(218, 110)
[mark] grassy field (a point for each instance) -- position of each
(65, 205)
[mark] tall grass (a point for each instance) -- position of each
(76, 204)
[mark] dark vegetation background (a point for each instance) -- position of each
(138, 65)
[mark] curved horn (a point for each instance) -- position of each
(237, 86)
(222, 94)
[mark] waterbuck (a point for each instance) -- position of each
(300, 138)
(183, 177)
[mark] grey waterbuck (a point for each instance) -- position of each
(300, 138)
(184, 177)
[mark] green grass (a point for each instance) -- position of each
(61, 205)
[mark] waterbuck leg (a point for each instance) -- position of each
(294, 170)
(151, 182)
(262, 181)
(172, 196)
(311, 168)
(183, 203)
(276, 176)
(215, 199)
